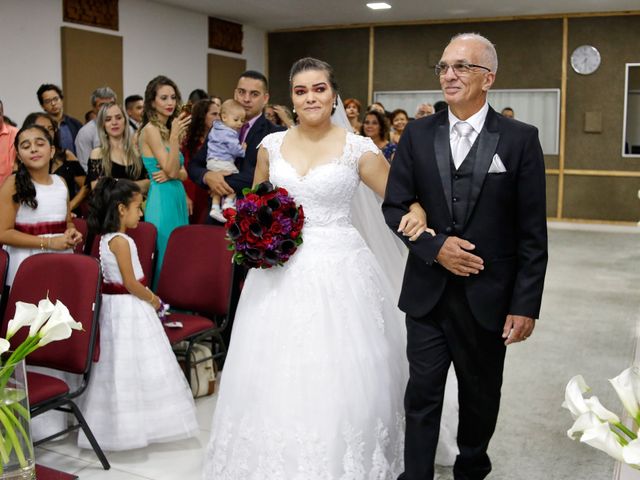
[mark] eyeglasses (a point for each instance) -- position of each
(460, 69)
(51, 100)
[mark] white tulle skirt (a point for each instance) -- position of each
(314, 381)
(137, 394)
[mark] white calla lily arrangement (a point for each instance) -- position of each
(602, 429)
(47, 323)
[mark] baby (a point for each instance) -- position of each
(223, 147)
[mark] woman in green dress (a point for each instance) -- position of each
(163, 128)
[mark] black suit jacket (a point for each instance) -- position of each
(197, 167)
(74, 125)
(506, 219)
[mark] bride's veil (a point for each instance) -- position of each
(368, 219)
(391, 254)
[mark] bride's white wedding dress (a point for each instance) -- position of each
(314, 381)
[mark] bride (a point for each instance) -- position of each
(314, 379)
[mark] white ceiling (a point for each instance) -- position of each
(282, 14)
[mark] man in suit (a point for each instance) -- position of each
(134, 105)
(252, 92)
(474, 287)
(51, 100)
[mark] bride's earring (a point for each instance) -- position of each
(294, 109)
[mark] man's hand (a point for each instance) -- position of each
(455, 257)
(216, 183)
(517, 328)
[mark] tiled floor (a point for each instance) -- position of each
(589, 325)
(177, 460)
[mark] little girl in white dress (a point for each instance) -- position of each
(137, 394)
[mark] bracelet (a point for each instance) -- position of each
(41, 243)
(152, 295)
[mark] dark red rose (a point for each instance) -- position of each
(276, 228)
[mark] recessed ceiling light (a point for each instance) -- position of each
(378, 6)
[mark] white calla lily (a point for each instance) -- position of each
(25, 314)
(59, 326)
(45, 309)
(631, 452)
(584, 422)
(627, 386)
(602, 438)
(573, 399)
(4, 345)
(594, 405)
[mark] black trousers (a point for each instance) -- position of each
(449, 333)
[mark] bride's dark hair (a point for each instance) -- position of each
(309, 63)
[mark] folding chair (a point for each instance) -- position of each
(75, 280)
(144, 236)
(196, 277)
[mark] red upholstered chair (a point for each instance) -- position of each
(4, 265)
(75, 280)
(196, 278)
(81, 226)
(144, 236)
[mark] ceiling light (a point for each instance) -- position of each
(378, 6)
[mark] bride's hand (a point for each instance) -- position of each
(414, 223)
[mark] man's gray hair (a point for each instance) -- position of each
(489, 55)
(103, 92)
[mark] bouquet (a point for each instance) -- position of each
(47, 323)
(601, 428)
(265, 229)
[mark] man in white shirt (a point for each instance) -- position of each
(475, 287)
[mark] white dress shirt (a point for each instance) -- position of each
(476, 121)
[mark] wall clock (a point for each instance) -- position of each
(585, 59)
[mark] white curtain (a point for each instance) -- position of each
(539, 107)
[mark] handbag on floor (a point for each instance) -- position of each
(203, 374)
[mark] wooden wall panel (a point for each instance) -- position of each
(617, 39)
(89, 60)
(528, 53)
(552, 196)
(601, 198)
(223, 73)
(530, 56)
(95, 13)
(346, 50)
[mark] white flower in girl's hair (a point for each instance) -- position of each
(59, 326)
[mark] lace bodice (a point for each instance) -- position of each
(110, 269)
(325, 191)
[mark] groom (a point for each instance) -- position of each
(476, 286)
